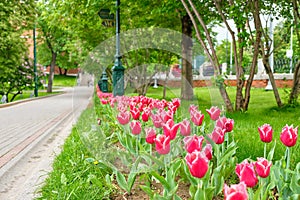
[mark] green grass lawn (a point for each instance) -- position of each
(74, 178)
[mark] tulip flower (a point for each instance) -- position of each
(170, 129)
(176, 102)
(193, 108)
(265, 133)
(208, 151)
(124, 117)
(136, 127)
(197, 163)
(246, 173)
(150, 135)
(135, 113)
(225, 123)
(162, 144)
(193, 143)
(146, 114)
(289, 135)
(236, 192)
(157, 120)
(185, 127)
(197, 118)
(218, 135)
(262, 167)
(214, 112)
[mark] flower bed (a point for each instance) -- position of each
(162, 145)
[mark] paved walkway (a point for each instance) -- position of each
(29, 132)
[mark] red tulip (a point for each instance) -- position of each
(193, 143)
(150, 135)
(214, 112)
(289, 135)
(218, 135)
(262, 167)
(176, 102)
(185, 127)
(197, 163)
(136, 127)
(236, 192)
(225, 123)
(170, 129)
(146, 114)
(208, 151)
(123, 117)
(246, 173)
(197, 118)
(162, 144)
(265, 133)
(135, 113)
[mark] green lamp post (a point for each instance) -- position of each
(118, 69)
(104, 85)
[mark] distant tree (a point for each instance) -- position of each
(16, 17)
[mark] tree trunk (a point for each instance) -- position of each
(272, 80)
(296, 85)
(51, 73)
(187, 92)
(255, 55)
(65, 72)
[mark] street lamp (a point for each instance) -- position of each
(118, 69)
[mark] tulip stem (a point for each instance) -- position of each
(137, 144)
(288, 158)
(265, 150)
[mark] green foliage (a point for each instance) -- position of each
(73, 177)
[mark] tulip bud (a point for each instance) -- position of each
(162, 144)
(265, 133)
(193, 143)
(136, 127)
(197, 118)
(214, 112)
(185, 127)
(150, 135)
(123, 117)
(218, 135)
(246, 173)
(197, 163)
(289, 135)
(234, 192)
(262, 167)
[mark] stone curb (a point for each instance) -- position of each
(29, 99)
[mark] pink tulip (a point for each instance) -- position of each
(176, 102)
(162, 144)
(289, 135)
(246, 173)
(193, 108)
(214, 112)
(124, 117)
(208, 151)
(150, 135)
(170, 129)
(218, 135)
(185, 127)
(193, 143)
(262, 167)
(146, 114)
(236, 192)
(135, 113)
(197, 163)
(265, 133)
(197, 118)
(157, 120)
(225, 123)
(136, 127)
